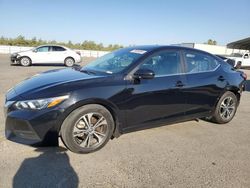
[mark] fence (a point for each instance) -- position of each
(84, 53)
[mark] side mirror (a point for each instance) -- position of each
(231, 62)
(35, 50)
(144, 74)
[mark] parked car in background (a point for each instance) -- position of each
(126, 90)
(228, 60)
(47, 54)
(241, 60)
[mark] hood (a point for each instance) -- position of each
(47, 80)
(24, 51)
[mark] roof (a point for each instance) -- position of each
(156, 47)
(240, 44)
(51, 45)
(145, 47)
(150, 48)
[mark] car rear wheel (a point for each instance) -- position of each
(226, 108)
(69, 62)
(87, 129)
(238, 65)
(25, 61)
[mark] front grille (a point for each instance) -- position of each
(21, 128)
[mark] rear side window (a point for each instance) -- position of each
(198, 62)
(58, 48)
(163, 63)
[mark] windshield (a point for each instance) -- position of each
(114, 62)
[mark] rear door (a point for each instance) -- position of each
(58, 54)
(154, 101)
(204, 82)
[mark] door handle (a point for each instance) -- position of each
(179, 84)
(221, 78)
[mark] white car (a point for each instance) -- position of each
(241, 60)
(47, 54)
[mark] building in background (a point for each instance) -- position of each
(213, 49)
(240, 44)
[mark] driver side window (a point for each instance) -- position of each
(163, 63)
(43, 49)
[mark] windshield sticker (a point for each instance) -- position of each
(138, 51)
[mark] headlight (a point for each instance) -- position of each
(40, 103)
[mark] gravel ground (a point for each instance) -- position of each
(190, 154)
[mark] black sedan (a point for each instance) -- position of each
(129, 89)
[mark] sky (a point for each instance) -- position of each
(127, 22)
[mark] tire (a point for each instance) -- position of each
(25, 61)
(225, 108)
(69, 62)
(81, 137)
(238, 65)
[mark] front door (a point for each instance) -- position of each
(42, 55)
(157, 100)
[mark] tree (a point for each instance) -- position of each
(85, 45)
(2, 40)
(33, 41)
(52, 42)
(21, 41)
(69, 44)
(211, 42)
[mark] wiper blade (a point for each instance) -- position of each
(87, 71)
(76, 67)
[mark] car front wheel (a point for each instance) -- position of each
(225, 108)
(25, 61)
(87, 129)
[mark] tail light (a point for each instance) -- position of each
(79, 53)
(244, 75)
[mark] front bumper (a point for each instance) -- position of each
(14, 58)
(21, 131)
(33, 127)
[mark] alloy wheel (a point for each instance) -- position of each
(90, 131)
(227, 108)
(25, 61)
(69, 62)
